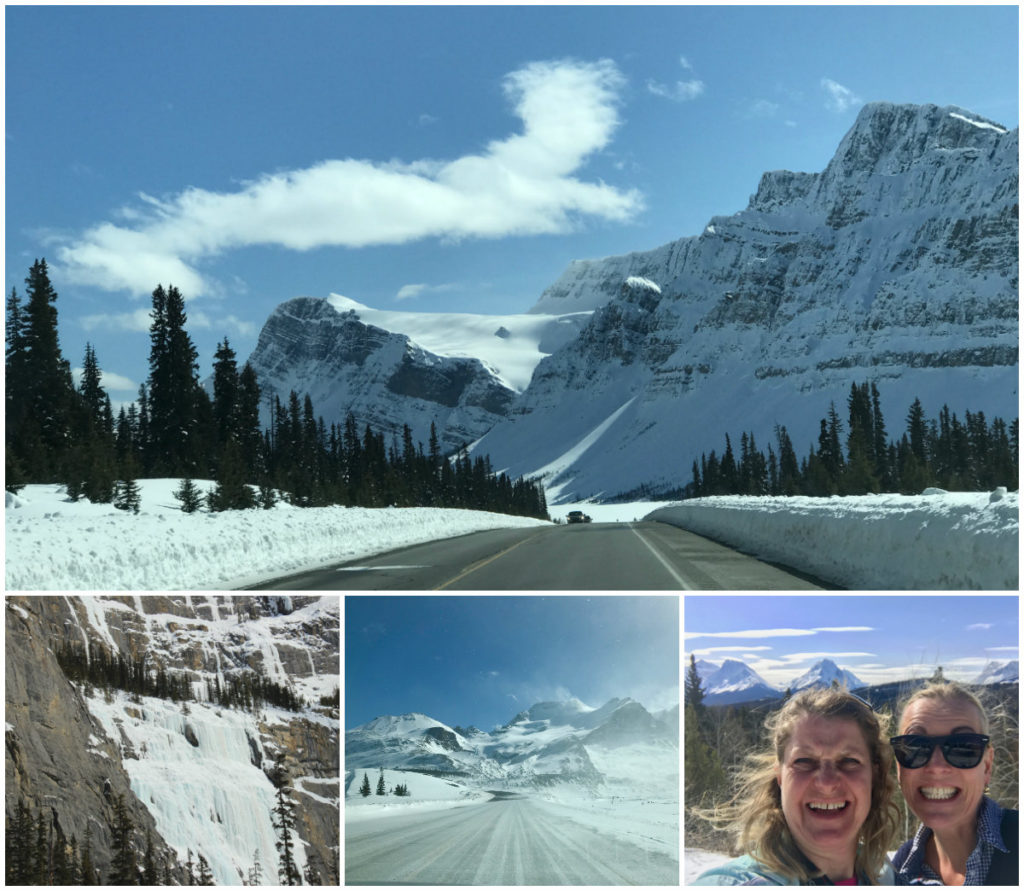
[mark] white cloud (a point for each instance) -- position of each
(680, 91)
(525, 184)
(408, 292)
(109, 381)
(763, 108)
(768, 632)
(979, 626)
(138, 320)
(839, 98)
(685, 63)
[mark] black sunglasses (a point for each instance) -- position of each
(963, 750)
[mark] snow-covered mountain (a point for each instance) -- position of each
(197, 768)
(736, 681)
(459, 371)
(549, 743)
(999, 673)
(823, 673)
(896, 264)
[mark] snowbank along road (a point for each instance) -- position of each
(506, 841)
(597, 556)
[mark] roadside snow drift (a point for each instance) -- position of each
(935, 541)
(56, 545)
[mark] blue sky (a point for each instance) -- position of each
(482, 659)
(879, 638)
(434, 158)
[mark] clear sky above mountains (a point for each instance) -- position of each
(482, 659)
(436, 158)
(878, 638)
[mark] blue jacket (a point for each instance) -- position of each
(746, 870)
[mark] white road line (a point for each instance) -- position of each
(671, 570)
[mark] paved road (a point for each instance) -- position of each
(510, 841)
(590, 557)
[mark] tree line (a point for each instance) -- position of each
(57, 433)
(969, 455)
(96, 667)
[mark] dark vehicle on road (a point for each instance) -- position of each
(577, 516)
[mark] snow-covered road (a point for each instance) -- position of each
(514, 841)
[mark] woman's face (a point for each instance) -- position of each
(944, 797)
(825, 779)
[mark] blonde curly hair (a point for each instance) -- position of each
(754, 814)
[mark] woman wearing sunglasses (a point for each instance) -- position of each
(817, 807)
(944, 764)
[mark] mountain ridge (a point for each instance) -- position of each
(897, 263)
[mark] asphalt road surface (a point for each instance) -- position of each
(582, 557)
(510, 841)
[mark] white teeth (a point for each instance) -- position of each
(826, 805)
(938, 793)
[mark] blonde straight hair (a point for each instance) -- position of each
(754, 814)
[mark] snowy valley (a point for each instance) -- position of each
(195, 714)
(611, 772)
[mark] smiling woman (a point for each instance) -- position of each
(945, 764)
(818, 805)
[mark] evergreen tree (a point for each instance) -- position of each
(256, 870)
(693, 690)
(40, 394)
(381, 789)
(88, 870)
(122, 861)
(205, 875)
(365, 789)
(126, 491)
(149, 870)
(283, 818)
(231, 491)
(189, 495)
(173, 388)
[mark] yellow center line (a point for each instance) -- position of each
(480, 564)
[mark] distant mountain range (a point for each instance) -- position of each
(734, 681)
(551, 742)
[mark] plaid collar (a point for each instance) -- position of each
(916, 871)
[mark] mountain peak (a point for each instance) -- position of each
(823, 673)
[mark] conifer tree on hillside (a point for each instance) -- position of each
(205, 874)
(365, 789)
(122, 861)
(381, 789)
(283, 817)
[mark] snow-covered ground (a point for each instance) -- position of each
(938, 540)
(53, 544)
(934, 541)
(649, 823)
(426, 793)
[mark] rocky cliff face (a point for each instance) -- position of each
(896, 264)
(197, 775)
(383, 378)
